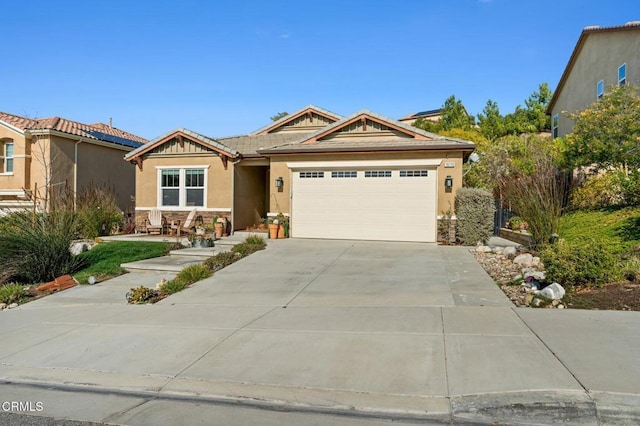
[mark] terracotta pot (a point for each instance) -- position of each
(219, 228)
(273, 231)
(280, 231)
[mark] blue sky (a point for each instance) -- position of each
(224, 67)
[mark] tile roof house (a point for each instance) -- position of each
(58, 153)
(602, 57)
(364, 176)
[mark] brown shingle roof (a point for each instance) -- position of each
(425, 140)
(248, 145)
(97, 131)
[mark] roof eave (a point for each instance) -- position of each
(440, 147)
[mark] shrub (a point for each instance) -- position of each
(581, 262)
(250, 245)
(142, 295)
(256, 240)
(12, 293)
(221, 260)
(35, 248)
(474, 211)
(597, 192)
(173, 286)
(98, 211)
(193, 273)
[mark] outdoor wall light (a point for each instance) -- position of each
(279, 183)
(448, 183)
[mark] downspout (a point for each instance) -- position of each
(75, 174)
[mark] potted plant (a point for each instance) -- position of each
(274, 225)
(219, 226)
(283, 222)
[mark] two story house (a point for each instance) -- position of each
(39, 158)
(603, 57)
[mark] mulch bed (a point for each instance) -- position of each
(623, 296)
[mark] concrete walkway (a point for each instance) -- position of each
(367, 329)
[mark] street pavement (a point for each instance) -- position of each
(320, 332)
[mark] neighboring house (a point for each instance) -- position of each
(364, 176)
(431, 115)
(62, 155)
(603, 57)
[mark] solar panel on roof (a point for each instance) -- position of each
(114, 139)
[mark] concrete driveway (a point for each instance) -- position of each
(397, 330)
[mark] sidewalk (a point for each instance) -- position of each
(366, 330)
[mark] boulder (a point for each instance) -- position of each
(79, 247)
(509, 251)
(483, 249)
(525, 259)
(554, 292)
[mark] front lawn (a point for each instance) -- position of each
(104, 259)
(619, 228)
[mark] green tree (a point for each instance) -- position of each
(491, 123)
(607, 134)
(533, 117)
(279, 115)
(452, 116)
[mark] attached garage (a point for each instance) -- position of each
(366, 177)
(366, 200)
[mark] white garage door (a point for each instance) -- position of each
(381, 203)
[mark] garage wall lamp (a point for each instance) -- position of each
(279, 183)
(448, 184)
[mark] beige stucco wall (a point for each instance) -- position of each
(218, 190)
(599, 59)
(21, 163)
(249, 198)
(97, 165)
(280, 201)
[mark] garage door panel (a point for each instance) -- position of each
(378, 208)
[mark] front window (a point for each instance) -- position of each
(6, 161)
(182, 187)
(622, 75)
(194, 183)
(554, 126)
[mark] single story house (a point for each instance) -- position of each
(40, 158)
(364, 176)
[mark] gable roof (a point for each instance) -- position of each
(97, 131)
(182, 133)
(586, 32)
(282, 122)
(417, 139)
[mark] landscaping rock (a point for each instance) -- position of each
(525, 259)
(2, 306)
(554, 292)
(483, 249)
(509, 251)
(81, 246)
(13, 305)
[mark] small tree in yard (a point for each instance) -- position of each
(474, 215)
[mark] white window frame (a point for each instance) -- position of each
(6, 158)
(622, 81)
(555, 121)
(599, 89)
(182, 188)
